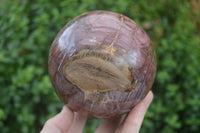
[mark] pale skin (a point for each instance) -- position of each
(70, 122)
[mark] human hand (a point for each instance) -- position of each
(68, 122)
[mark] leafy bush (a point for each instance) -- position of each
(27, 29)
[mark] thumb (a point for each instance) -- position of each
(59, 123)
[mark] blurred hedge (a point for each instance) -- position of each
(27, 28)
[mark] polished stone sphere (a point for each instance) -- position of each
(102, 64)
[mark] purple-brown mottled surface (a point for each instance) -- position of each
(92, 48)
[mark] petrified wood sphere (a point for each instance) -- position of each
(102, 64)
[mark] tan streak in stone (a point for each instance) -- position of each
(110, 49)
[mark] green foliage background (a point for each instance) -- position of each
(28, 27)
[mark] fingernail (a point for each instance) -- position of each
(63, 109)
(148, 99)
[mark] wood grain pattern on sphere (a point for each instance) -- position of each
(95, 72)
(102, 64)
